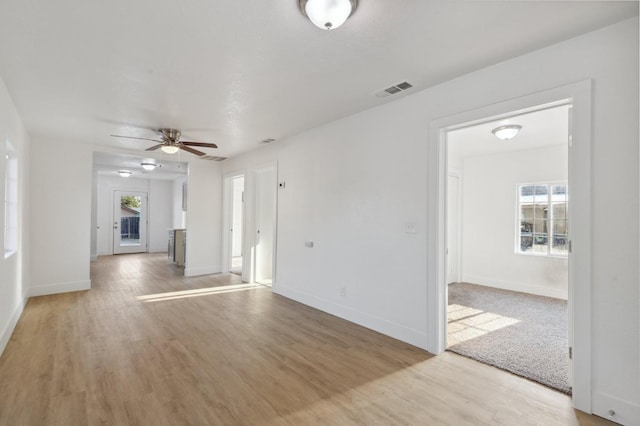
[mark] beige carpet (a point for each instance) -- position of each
(517, 332)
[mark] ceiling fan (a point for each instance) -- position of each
(170, 142)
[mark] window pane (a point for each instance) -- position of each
(559, 227)
(526, 242)
(560, 211)
(526, 191)
(130, 220)
(540, 226)
(560, 237)
(526, 226)
(526, 211)
(541, 193)
(540, 211)
(559, 192)
(540, 242)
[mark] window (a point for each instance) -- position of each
(542, 219)
(10, 202)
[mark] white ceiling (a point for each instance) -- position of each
(540, 129)
(236, 72)
(108, 164)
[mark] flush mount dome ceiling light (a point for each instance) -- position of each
(507, 132)
(124, 173)
(328, 14)
(148, 166)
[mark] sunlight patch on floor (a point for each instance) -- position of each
(208, 291)
(465, 323)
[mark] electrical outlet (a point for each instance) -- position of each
(343, 291)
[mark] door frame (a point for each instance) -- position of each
(457, 174)
(252, 238)
(579, 259)
(227, 220)
(113, 216)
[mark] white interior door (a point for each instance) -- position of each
(453, 227)
(266, 186)
(129, 222)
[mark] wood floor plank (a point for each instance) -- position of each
(148, 346)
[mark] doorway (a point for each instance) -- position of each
(236, 231)
(509, 309)
(265, 224)
(129, 222)
(579, 309)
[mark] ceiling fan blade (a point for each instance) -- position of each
(132, 137)
(153, 148)
(193, 151)
(203, 144)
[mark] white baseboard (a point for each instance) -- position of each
(202, 270)
(513, 286)
(626, 412)
(162, 249)
(381, 325)
(94, 257)
(13, 321)
(43, 290)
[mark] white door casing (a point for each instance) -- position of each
(578, 95)
(265, 224)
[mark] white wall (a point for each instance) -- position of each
(238, 216)
(14, 271)
(204, 218)
(160, 214)
(489, 221)
(346, 190)
(60, 221)
(179, 216)
(160, 211)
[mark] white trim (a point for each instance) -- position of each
(251, 220)
(515, 286)
(202, 270)
(453, 172)
(162, 249)
(227, 217)
(626, 412)
(44, 290)
(13, 321)
(378, 324)
(579, 95)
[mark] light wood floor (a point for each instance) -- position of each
(147, 346)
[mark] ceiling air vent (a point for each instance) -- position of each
(392, 90)
(268, 140)
(212, 158)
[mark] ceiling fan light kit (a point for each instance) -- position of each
(507, 132)
(169, 149)
(328, 14)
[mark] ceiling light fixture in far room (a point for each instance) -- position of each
(124, 173)
(148, 165)
(170, 149)
(507, 132)
(328, 14)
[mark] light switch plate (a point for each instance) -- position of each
(410, 228)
